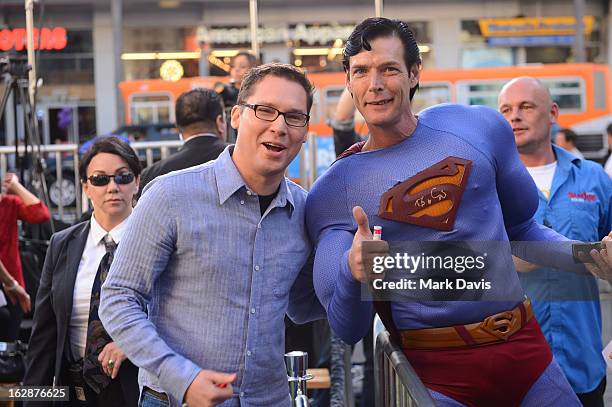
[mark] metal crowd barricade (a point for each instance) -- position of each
(308, 162)
(155, 150)
(396, 383)
(61, 157)
(64, 156)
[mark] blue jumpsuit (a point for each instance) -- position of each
(498, 204)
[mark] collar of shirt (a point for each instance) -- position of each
(97, 232)
(229, 181)
(565, 165)
(565, 159)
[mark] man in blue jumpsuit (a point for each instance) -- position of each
(575, 199)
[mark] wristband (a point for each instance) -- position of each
(12, 287)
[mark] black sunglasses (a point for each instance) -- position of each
(102, 179)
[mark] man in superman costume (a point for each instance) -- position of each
(485, 353)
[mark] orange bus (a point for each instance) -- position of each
(582, 92)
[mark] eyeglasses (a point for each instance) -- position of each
(99, 180)
(269, 114)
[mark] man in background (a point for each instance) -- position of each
(240, 65)
(566, 139)
(575, 199)
(201, 123)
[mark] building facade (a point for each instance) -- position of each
(79, 96)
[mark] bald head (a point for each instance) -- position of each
(530, 85)
(526, 104)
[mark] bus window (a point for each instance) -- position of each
(482, 93)
(430, 94)
(151, 108)
(163, 114)
(567, 93)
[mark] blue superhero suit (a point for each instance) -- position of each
(498, 204)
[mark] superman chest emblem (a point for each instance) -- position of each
(431, 198)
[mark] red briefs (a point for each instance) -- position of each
(496, 374)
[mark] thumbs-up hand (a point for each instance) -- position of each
(364, 249)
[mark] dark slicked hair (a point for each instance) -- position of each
(609, 128)
(110, 145)
(378, 27)
(285, 71)
(198, 105)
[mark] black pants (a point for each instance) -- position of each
(9, 329)
(122, 391)
(594, 398)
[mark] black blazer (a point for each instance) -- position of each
(54, 306)
(195, 151)
(49, 339)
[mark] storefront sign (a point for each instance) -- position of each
(301, 32)
(50, 39)
(526, 27)
(532, 41)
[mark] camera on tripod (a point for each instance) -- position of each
(14, 71)
(14, 65)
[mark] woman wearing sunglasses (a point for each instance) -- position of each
(68, 342)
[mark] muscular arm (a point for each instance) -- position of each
(518, 197)
(331, 228)
(141, 257)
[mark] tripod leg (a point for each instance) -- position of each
(7, 93)
(32, 132)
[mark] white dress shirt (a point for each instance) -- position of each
(88, 267)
